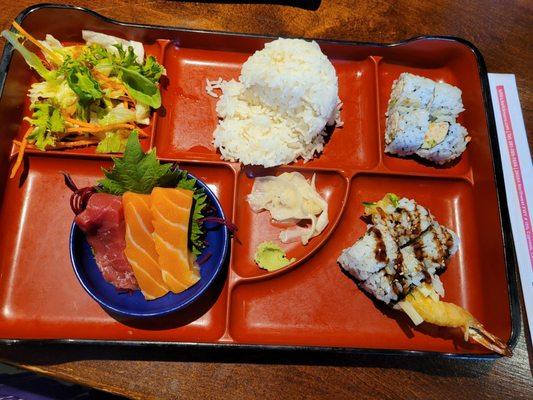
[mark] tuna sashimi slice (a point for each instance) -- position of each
(140, 247)
(171, 210)
(103, 224)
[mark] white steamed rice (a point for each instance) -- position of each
(287, 93)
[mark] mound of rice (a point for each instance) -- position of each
(287, 93)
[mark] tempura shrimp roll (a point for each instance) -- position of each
(398, 261)
(374, 251)
(405, 218)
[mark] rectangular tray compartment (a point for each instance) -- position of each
(313, 304)
(40, 296)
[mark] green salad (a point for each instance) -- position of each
(90, 94)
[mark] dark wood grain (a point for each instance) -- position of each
(501, 30)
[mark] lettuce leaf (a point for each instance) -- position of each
(113, 142)
(196, 233)
(81, 81)
(141, 88)
(47, 121)
(31, 58)
(118, 115)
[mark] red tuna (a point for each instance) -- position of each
(104, 226)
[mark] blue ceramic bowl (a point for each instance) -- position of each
(133, 304)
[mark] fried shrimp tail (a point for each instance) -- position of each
(441, 313)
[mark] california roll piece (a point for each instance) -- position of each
(449, 148)
(405, 131)
(411, 92)
(447, 103)
(421, 120)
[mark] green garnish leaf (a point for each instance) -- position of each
(141, 88)
(151, 69)
(113, 142)
(200, 202)
(31, 58)
(393, 199)
(136, 171)
(140, 172)
(47, 121)
(369, 203)
(81, 82)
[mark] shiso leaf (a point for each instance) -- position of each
(140, 172)
(196, 233)
(137, 172)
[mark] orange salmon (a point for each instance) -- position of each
(140, 247)
(171, 211)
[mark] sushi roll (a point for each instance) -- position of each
(405, 131)
(435, 246)
(447, 103)
(411, 92)
(421, 120)
(382, 286)
(373, 252)
(451, 146)
(406, 276)
(405, 218)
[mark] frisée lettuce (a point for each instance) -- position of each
(95, 93)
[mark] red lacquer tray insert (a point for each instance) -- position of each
(310, 303)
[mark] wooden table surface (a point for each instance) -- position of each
(500, 29)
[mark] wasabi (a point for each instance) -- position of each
(271, 257)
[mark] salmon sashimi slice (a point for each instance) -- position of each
(171, 211)
(140, 247)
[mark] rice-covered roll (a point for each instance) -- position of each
(405, 218)
(435, 246)
(411, 271)
(411, 91)
(405, 131)
(383, 287)
(447, 103)
(449, 148)
(371, 253)
(421, 119)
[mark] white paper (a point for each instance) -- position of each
(518, 176)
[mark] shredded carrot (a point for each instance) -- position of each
(76, 143)
(20, 156)
(125, 103)
(78, 122)
(100, 128)
(107, 81)
(36, 42)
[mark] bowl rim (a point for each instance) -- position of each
(75, 229)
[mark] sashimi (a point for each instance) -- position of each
(103, 224)
(140, 247)
(171, 209)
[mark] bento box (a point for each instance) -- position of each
(309, 305)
